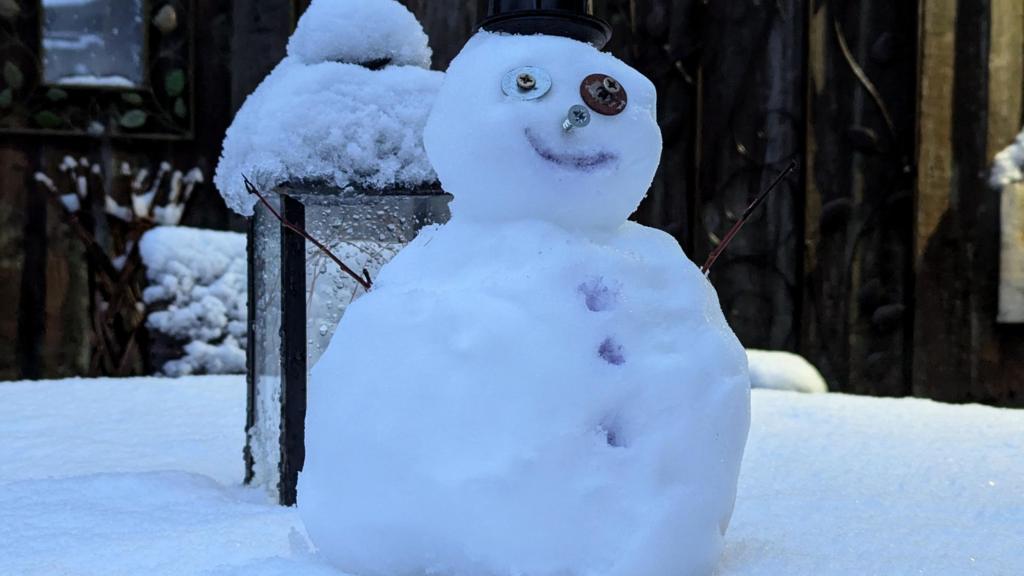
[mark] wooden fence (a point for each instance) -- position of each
(879, 262)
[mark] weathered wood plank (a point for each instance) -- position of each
(861, 131)
(260, 31)
(935, 359)
(214, 109)
(1006, 73)
(976, 225)
(13, 175)
(31, 310)
(935, 154)
(65, 339)
(960, 353)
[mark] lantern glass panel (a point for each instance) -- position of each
(264, 437)
(365, 231)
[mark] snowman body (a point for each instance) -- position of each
(538, 387)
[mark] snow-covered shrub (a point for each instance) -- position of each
(109, 207)
(197, 297)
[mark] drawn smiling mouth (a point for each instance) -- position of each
(574, 160)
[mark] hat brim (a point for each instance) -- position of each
(580, 27)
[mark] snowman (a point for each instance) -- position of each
(539, 387)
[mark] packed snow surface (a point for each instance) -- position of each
(358, 32)
(571, 401)
(68, 428)
(141, 476)
(316, 117)
(197, 290)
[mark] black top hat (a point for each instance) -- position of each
(570, 18)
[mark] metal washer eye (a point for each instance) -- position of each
(526, 83)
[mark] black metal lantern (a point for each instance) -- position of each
(570, 18)
(297, 296)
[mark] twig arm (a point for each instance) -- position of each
(706, 268)
(363, 280)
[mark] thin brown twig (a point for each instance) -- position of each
(706, 268)
(363, 281)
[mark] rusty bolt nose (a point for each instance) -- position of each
(525, 81)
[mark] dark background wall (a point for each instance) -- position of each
(878, 260)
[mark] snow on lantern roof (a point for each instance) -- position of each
(358, 32)
(338, 123)
(341, 124)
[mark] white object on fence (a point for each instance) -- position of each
(1008, 176)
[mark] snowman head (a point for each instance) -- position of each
(543, 127)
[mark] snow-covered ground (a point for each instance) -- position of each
(142, 476)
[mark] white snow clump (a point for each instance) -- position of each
(777, 370)
(1008, 165)
(359, 32)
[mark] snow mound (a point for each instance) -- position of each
(338, 123)
(198, 286)
(1008, 165)
(359, 32)
(778, 370)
